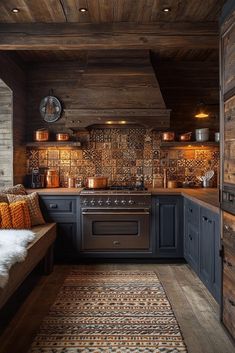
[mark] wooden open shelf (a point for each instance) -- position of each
(57, 144)
(168, 144)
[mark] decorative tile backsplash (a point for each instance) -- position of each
(121, 154)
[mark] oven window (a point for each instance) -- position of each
(115, 227)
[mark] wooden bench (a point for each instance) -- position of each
(40, 249)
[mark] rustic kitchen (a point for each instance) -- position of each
(117, 216)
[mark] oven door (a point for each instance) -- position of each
(112, 230)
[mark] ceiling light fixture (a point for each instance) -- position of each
(166, 9)
(83, 10)
(201, 111)
(15, 10)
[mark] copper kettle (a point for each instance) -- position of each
(52, 178)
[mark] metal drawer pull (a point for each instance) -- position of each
(53, 205)
(191, 210)
(190, 237)
(205, 218)
(231, 302)
(116, 242)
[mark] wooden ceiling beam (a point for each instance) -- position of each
(53, 36)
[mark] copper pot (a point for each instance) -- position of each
(172, 184)
(62, 136)
(52, 179)
(41, 135)
(168, 136)
(186, 136)
(100, 182)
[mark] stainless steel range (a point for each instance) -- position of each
(115, 220)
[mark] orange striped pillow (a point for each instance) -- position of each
(20, 215)
(5, 216)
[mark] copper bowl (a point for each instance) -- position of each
(168, 136)
(41, 135)
(99, 182)
(62, 136)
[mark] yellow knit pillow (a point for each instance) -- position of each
(5, 216)
(20, 215)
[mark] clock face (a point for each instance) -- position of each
(50, 109)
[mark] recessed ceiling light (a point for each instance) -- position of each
(166, 9)
(15, 10)
(83, 9)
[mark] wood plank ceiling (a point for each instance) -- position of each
(109, 11)
(184, 42)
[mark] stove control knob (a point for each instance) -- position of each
(100, 202)
(85, 202)
(131, 202)
(108, 202)
(92, 202)
(116, 202)
(123, 202)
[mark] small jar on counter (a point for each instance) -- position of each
(71, 182)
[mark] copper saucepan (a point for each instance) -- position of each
(99, 182)
(62, 136)
(168, 136)
(186, 136)
(41, 135)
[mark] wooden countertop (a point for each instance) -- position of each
(207, 197)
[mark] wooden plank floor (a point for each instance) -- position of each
(194, 307)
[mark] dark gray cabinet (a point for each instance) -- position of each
(191, 234)
(65, 211)
(202, 245)
(167, 227)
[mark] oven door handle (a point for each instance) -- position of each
(115, 213)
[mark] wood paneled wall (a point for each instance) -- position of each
(14, 78)
(6, 136)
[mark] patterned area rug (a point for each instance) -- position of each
(110, 312)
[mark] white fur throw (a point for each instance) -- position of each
(13, 248)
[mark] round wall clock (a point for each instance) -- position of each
(50, 109)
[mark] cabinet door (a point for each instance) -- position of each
(206, 247)
(66, 245)
(192, 246)
(169, 226)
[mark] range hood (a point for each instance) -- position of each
(119, 89)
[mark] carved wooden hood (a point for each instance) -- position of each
(119, 89)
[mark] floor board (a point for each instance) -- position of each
(196, 310)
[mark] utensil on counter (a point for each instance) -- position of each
(168, 136)
(206, 178)
(98, 182)
(62, 136)
(41, 135)
(186, 136)
(202, 135)
(52, 178)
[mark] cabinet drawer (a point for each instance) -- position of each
(192, 212)
(59, 205)
(228, 230)
(229, 264)
(229, 304)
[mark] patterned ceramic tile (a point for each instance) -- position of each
(65, 154)
(125, 153)
(53, 154)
